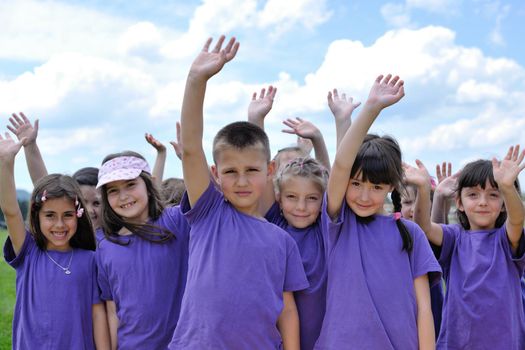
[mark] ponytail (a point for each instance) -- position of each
(408, 243)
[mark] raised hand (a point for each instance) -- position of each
(386, 91)
(177, 145)
(9, 147)
(506, 171)
(306, 144)
(208, 63)
(302, 128)
(159, 146)
(341, 106)
(418, 175)
(447, 182)
(443, 171)
(22, 128)
(260, 106)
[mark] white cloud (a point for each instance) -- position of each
(472, 91)
(215, 17)
(400, 14)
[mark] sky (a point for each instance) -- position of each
(99, 74)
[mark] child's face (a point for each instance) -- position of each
(300, 200)
(408, 201)
(129, 199)
(243, 176)
(92, 200)
(58, 222)
(366, 198)
(481, 206)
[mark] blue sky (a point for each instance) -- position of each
(99, 74)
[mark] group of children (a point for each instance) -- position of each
(289, 253)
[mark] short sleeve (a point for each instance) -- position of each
(450, 237)
(208, 203)
(295, 278)
(422, 258)
(519, 258)
(17, 260)
(178, 224)
(102, 278)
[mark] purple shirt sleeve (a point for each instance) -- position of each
(450, 236)
(295, 278)
(9, 253)
(206, 204)
(102, 279)
(519, 258)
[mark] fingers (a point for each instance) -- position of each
(218, 45)
(178, 132)
(379, 78)
(207, 44)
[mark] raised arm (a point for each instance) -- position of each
(177, 145)
(260, 106)
(505, 174)
(308, 130)
(444, 193)
(160, 160)
(8, 202)
(207, 64)
(420, 178)
(342, 109)
(385, 92)
(22, 128)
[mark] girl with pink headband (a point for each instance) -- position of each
(142, 255)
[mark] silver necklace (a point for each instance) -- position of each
(65, 269)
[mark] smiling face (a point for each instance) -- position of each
(482, 206)
(58, 222)
(93, 202)
(366, 198)
(242, 175)
(129, 199)
(300, 199)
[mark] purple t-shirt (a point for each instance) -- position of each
(53, 310)
(310, 302)
(371, 302)
(238, 269)
(483, 306)
(146, 281)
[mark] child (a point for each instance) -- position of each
(57, 298)
(299, 188)
(242, 270)
(378, 289)
(141, 256)
(482, 257)
(87, 179)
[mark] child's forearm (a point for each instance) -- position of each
(515, 215)
(422, 215)
(425, 320)
(100, 327)
(321, 153)
(288, 324)
(341, 126)
(158, 168)
(9, 205)
(440, 208)
(35, 162)
(111, 310)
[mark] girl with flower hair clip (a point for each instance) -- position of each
(58, 305)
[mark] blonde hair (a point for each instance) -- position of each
(306, 167)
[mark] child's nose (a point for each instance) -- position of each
(242, 180)
(301, 204)
(364, 194)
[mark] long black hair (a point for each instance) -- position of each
(379, 162)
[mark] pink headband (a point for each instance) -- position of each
(121, 168)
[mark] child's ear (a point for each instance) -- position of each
(459, 205)
(215, 173)
(271, 168)
(278, 197)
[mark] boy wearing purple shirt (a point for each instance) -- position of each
(242, 270)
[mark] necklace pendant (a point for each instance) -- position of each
(67, 272)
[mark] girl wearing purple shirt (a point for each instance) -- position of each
(142, 255)
(299, 188)
(57, 298)
(482, 257)
(377, 266)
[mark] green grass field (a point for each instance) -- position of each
(7, 298)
